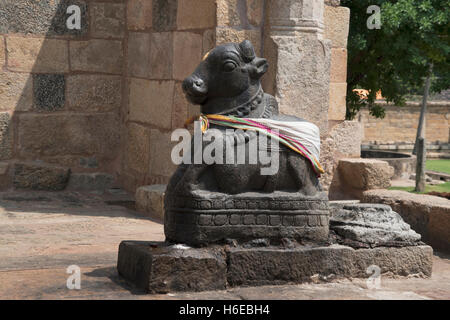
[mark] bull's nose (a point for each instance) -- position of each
(194, 86)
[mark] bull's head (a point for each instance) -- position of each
(228, 76)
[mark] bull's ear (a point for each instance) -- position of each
(259, 67)
(247, 50)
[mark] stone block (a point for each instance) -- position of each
(427, 215)
(16, 91)
(2, 52)
(365, 174)
(158, 268)
(338, 104)
(304, 96)
(226, 35)
(161, 163)
(139, 54)
(151, 102)
(150, 200)
(37, 55)
(337, 21)
(164, 14)
(94, 92)
(338, 72)
(90, 181)
(161, 55)
(187, 53)
(228, 13)
(97, 55)
(255, 12)
(6, 136)
(139, 14)
(65, 134)
(20, 16)
(40, 176)
(275, 266)
(180, 107)
(49, 91)
(108, 20)
(5, 178)
(138, 148)
(196, 14)
(209, 41)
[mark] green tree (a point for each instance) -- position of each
(396, 58)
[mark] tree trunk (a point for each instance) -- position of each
(423, 111)
(420, 165)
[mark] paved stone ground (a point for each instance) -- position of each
(42, 233)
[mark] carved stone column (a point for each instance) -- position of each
(300, 59)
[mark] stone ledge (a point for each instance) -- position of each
(159, 268)
(427, 215)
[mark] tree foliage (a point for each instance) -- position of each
(395, 58)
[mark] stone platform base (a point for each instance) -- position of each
(157, 267)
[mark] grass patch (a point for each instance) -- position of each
(445, 187)
(439, 165)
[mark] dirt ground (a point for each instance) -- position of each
(42, 234)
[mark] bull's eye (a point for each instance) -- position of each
(229, 66)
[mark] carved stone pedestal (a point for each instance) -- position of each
(218, 218)
(161, 268)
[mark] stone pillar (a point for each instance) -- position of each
(299, 75)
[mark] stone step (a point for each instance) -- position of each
(150, 201)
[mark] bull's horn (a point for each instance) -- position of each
(248, 52)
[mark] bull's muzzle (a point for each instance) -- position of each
(195, 89)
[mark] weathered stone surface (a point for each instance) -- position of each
(161, 163)
(196, 14)
(161, 55)
(19, 16)
(255, 12)
(6, 136)
(94, 92)
(51, 134)
(150, 200)
(334, 3)
(5, 178)
(40, 176)
(337, 20)
(148, 98)
(16, 91)
(90, 181)
(301, 88)
(338, 71)
(49, 91)
(37, 55)
(137, 154)
(365, 174)
(139, 14)
(180, 109)
(108, 20)
(97, 55)
(227, 13)
(164, 15)
(427, 215)
(371, 225)
(227, 35)
(338, 103)
(2, 52)
(159, 268)
(139, 54)
(209, 41)
(269, 266)
(187, 53)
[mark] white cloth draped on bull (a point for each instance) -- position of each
(301, 136)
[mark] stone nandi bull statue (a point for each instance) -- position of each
(210, 203)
